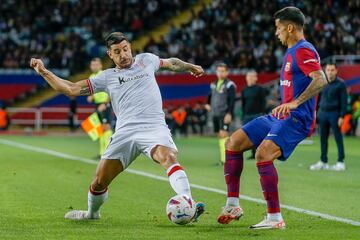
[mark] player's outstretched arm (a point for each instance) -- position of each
(318, 82)
(177, 65)
(64, 86)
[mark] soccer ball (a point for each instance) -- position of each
(180, 209)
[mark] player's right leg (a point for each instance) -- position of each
(106, 171)
(235, 146)
(167, 157)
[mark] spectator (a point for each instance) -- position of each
(4, 119)
(253, 101)
(179, 116)
(200, 117)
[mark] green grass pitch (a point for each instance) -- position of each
(37, 189)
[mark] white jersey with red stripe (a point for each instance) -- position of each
(134, 93)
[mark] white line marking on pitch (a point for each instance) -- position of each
(153, 176)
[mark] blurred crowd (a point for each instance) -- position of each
(183, 118)
(66, 34)
(242, 33)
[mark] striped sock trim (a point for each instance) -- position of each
(173, 169)
(264, 163)
(96, 193)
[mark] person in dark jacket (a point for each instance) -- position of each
(222, 100)
(332, 109)
(253, 101)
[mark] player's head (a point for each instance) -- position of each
(222, 71)
(331, 71)
(251, 78)
(119, 49)
(95, 65)
(289, 21)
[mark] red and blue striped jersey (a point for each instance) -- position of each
(299, 61)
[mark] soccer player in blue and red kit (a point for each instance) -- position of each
(276, 135)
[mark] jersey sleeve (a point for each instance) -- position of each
(97, 83)
(154, 61)
(308, 60)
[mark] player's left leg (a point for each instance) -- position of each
(178, 179)
(279, 143)
(266, 153)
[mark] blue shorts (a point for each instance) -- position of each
(286, 133)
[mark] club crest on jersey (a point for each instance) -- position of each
(287, 66)
(285, 82)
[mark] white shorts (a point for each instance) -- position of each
(127, 143)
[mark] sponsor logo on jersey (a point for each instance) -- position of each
(285, 83)
(287, 66)
(123, 80)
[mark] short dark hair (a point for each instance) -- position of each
(115, 38)
(222, 65)
(331, 64)
(291, 14)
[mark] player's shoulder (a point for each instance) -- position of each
(109, 71)
(146, 55)
(305, 46)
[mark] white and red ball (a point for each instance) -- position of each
(180, 209)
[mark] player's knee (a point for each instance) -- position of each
(233, 144)
(264, 153)
(169, 158)
(260, 154)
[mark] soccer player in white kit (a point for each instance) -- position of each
(140, 126)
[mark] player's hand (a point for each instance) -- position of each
(89, 99)
(196, 70)
(38, 65)
(101, 107)
(227, 118)
(208, 107)
(284, 109)
(340, 121)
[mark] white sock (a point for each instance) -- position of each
(232, 201)
(274, 217)
(95, 200)
(178, 180)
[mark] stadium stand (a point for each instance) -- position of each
(229, 30)
(68, 33)
(225, 30)
(15, 84)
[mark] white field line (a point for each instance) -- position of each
(153, 176)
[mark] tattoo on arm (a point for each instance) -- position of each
(317, 84)
(85, 91)
(175, 64)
